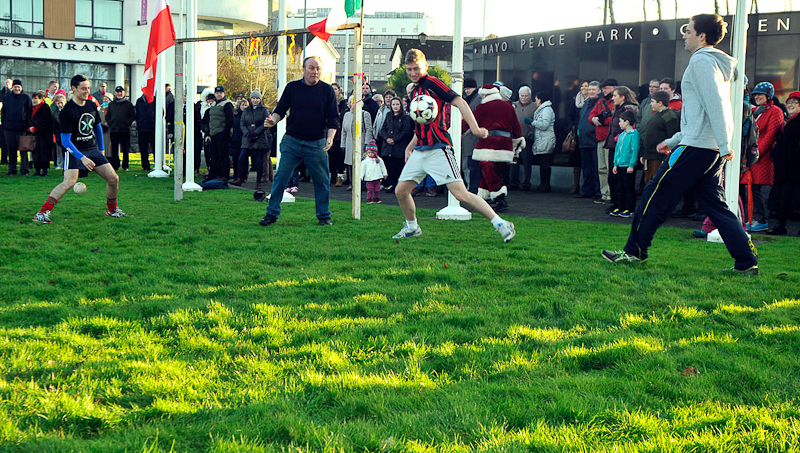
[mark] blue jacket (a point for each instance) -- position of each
(586, 136)
(627, 149)
(16, 111)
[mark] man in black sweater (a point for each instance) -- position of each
(120, 115)
(309, 135)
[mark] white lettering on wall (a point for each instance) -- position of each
(783, 25)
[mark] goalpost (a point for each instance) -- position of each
(261, 43)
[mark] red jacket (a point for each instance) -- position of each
(495, 114)
(676, 104)
(769, 126)
(603, 105)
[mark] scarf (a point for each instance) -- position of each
(36, 109)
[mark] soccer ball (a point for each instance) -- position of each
(424, 109)
(79, 187)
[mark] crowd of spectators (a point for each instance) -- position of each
(612, 150)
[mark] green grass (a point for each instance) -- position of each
(188, 327)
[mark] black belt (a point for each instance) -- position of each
(499, 133)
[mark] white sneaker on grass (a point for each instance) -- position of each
(42, 217)
(507, 231)
(116, 214)
(407, 232)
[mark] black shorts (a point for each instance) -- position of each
(95, 154)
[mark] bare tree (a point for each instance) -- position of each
(644, 9)
(658, 2)
(611, 11)
(727, 6)
(676, 9)
(716, 6)
(754, 7)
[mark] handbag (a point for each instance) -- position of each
(27, 142)
(570, 143)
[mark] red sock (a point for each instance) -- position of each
(49, 204)
(111, 204)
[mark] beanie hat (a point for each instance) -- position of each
(17, 82)
(470, 83)
(764, 88)
(610, 82)
(794, 94)
(372, 146)
(505, 93)
(255, 94)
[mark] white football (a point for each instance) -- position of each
(79, 187)
(423, 109)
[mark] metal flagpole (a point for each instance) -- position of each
(281, 127)
(178, 121)
(739, 41)
(158, 146)
(454, 211)
(358, 87)
(191, 96)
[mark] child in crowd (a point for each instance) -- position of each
(625, 154)
(663, 124)
(374, 171)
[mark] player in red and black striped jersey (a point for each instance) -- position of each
(431, 152)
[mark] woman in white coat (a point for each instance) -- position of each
(545, 138)
(348, 130)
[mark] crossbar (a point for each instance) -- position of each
(260, 34)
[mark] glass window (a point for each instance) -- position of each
(99, 20)
(22, 10)
(83, 12)
(26, 17)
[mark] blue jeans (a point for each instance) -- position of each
(311, 153)
(591, 178)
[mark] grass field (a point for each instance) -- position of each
(187, 327)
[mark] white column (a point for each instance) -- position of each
(737, 99)
(137, 72)
(454, 211)
(191, 96)
(282, 47)
(119, 76)
(161, 125)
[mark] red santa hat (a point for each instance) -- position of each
(488, 88)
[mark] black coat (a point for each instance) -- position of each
(16, 111)
(786, 154)
(372, 107)
(253, 123)
(235, 144)
(120, 115)
(145, 115)
(586, 135)
(399, 128)
(43, 122)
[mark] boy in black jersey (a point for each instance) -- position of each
(82, 136)
(431, 152)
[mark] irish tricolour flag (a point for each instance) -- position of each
(338, 16)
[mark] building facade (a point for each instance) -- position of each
(43, 40)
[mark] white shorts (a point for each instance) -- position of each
(440, 164)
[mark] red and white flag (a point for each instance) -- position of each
(337, 17)
(162, 37)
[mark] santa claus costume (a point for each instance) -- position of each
(498, 149)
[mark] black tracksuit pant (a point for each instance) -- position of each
(221, 163)
(700, 170)
(120, 141)
(147, 141)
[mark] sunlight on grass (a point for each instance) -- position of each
(707, 337)
(543, 335)
(733, 308)
(766, 330)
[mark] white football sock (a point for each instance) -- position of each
(497, 221)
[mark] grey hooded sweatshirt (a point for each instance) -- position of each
(706, 117)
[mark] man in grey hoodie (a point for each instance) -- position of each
(697, 154)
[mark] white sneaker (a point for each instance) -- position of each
(116, 214)
(42, 217)
(507, 231)
(407, 232)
